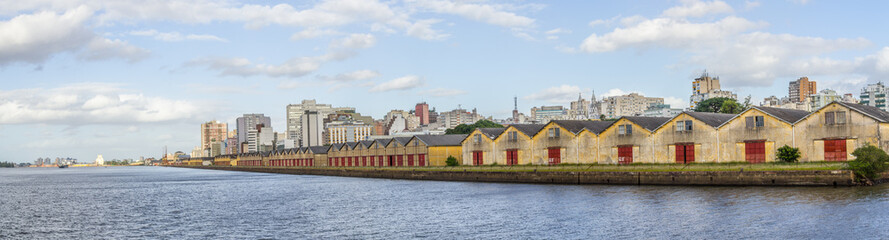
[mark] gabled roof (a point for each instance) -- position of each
(336, 146)
(491, 132)
(384, 141)
(712, 119)
(401, 140)
(575, 126)
(442, 140)
(528, 129)
(319, 149)
(649, 123)
(366, 143)
(352, 144)
(870, 111)
(783, 114)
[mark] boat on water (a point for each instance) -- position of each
(63, 166)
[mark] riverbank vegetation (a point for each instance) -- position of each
(869, 162)
(7, 165)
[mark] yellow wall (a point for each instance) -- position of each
(522, 144)
(858, 131)
(703, 136)
(734, 133)
(487, 147)
(439, 154)
(542, 142)
(609, 140)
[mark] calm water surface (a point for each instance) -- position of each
(175, 203)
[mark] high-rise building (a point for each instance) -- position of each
(631, 104)
(545, 114)
(824, 97)
(347, 132)
(295, 112)
(458, 116)
(311, 129)
(231, 145)
(249, 121)
(800, 89)
(875, 95)
(213, 131)
(422, 111)
(706, 87)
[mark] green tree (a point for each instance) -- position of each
(7, 165)
(788, 154)
(710, 105)
(466, 129)
(452, 161)
(730, 106)
(869, 162)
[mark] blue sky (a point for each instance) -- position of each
(126, 78)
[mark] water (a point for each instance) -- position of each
(176, 203)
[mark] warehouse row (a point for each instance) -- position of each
(830, 133)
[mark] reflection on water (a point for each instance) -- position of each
(154, 202)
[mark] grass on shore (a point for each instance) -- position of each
(639, 167)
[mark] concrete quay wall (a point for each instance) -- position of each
(716, 178)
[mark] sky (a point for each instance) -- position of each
(126, 78)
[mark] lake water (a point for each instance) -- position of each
(177, 203)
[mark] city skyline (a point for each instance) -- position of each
(84, 78)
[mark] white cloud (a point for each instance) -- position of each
(355, 41)
(312, 33)
(442, 92)
(696, 8)
(33, 38)
(735, 49)
(490, 14)
(553, 34)
(751, 4)
(351, 76)
(92, 103)
(295, 67)
(101, 49)
(402, 83)
(667, 32)
(617, 92)
(676, 102)
(176, 36)
(596, 22)
(559, 94)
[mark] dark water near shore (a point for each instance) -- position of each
(175, 203)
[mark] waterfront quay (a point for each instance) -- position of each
(812, 174)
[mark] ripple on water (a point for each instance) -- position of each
(153, 202)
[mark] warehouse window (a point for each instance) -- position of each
(554, 133)
(835, 118)
(755, 122)
(513, 136)
(625, 129)
(478, 138)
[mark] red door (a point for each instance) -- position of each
(625, 155)
(755, 152)
(364, 161)
(835, 150)
(512, 157)
(477, 158)
(400, 160)
(410, 160)
(555, 155)
(685, 153)
(422, 160)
